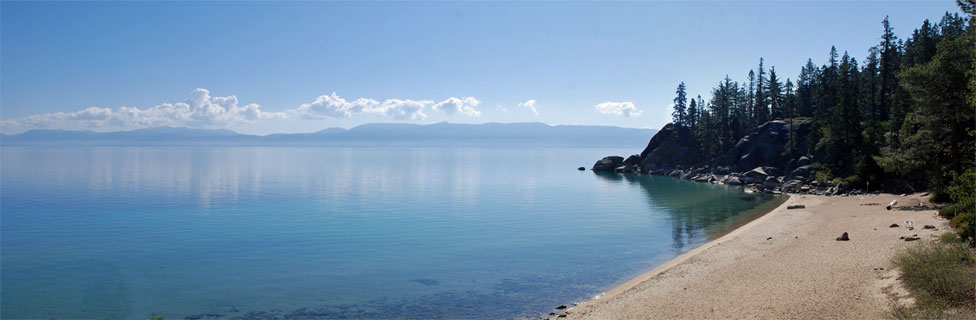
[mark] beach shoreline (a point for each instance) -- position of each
(772, 266)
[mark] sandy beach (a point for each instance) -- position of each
(785, 265)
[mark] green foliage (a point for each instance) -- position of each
(950, 237)
(958, 220)
(939, 274)
(952, 211)
(853, 180)
(821, 173)
(962, 191)
(904, 119)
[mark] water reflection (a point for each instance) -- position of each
(698, 211)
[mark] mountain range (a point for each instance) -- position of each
(366, 135)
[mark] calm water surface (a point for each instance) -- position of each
(240, 233)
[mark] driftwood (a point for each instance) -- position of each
(892, 204)
(795, 206)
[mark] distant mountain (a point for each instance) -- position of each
(367, 135)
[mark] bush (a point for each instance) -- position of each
(952, 210)
(958, 219)
(939, 274)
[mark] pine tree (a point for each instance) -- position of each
(775, 102)
(888, 66)
(680, 114)
(692, 114)
(760, 111)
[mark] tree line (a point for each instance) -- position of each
(902, 117)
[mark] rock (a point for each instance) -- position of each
(803, 161)
(581, 169)
(843, 237)
(792, 185)
(560, 307)
(928, 226)
(912, 238)
(754, 176)
(770, 238)
(771, 183)
(633, 159)
(802, 171)
(924, 194)
(733, 181)
(805, 188)
(772, 171)
(894, 225)
(608, 163)
(671, 147)
(765, 146)
(795, 206)
(722, 170)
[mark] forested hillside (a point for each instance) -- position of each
(900, 118)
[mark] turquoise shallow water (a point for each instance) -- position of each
(241, 233)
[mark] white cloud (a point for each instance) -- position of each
(332, 106)
(529, 104)
(200, 110)
(453, 106)
(626, 109)
(401, 109)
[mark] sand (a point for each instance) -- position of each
(801, 273)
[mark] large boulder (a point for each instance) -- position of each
(733, 181)
(671, 148)
(803, 171)
(610, 163)
(757, 175)
(632, 160)
(764, 146)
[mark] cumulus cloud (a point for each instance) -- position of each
(465, 106)
(333, 106)
(529, 104)
(200, 110)
(626, 109)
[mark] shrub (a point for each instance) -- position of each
(939, 274)
(951, 211)
(958, 219)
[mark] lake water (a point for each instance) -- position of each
(241, 233)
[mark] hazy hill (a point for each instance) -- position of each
(374, 134)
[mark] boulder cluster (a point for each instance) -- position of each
(757, 161)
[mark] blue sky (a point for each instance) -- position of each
(267, 67)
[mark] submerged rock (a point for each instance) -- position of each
(581, 168)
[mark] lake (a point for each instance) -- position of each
(266, 232)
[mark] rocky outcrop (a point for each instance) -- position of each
(671, 148)
(608, 163)
(764, 146)
(757, 162)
